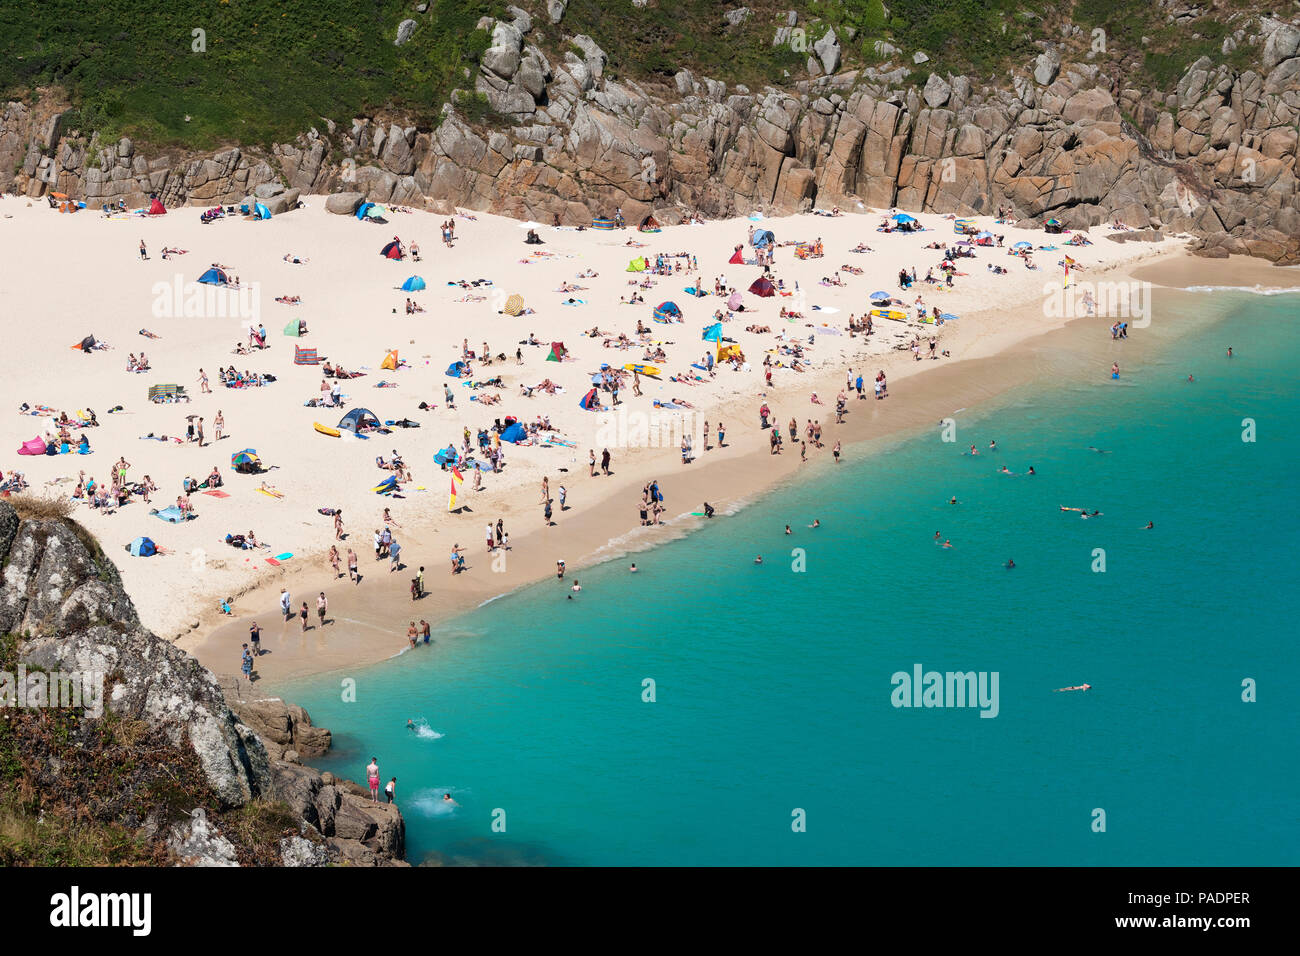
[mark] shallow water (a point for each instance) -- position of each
(773, 685)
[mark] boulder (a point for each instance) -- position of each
(555, 9)
(343, 204)
(404, 31)
(937, 91)
(1046, 66)
(828, 51)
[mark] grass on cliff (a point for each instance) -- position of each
(82, 791)
(268, 70)
(31, 507)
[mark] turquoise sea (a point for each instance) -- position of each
(773, 686)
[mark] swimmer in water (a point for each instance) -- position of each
(787, 530)
(1148, 526)
(993, 446)
(1095, 514)
(446, 798)
(1031, 470)
(1004, 470)
(947, 544)
(816, 523)
(1229, 351)
(937, 536)
(952, 500)
(1114, 370)
(410, 724)
(1190, 379)
(759, 559)
(1010, 564)
(1080, 687)
(973, 451)
(1080, 510)
(576, 586)
(633, 568)
(1100, 451)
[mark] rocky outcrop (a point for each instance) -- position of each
(1215, 157)
(62, 599)
(361, 831)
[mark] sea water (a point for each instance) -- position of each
(710, 710)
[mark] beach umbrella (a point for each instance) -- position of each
(1022, 245)
(984, 235)
(514, 304)
(413, 284)
(735, 301)
(880, 295)
(904, 217)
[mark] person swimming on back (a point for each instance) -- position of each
(1080, 687)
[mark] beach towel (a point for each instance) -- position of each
(216, 493)
(173, 514)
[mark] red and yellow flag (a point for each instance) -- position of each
(456, 479)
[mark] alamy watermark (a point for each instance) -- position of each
(922, 688)
(179, 299)
(1108, 300)
(53, 689)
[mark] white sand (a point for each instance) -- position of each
(67, 276)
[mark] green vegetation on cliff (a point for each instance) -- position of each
(80, 791)
(263, 71)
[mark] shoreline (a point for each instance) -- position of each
(970, 379)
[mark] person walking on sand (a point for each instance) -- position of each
(286, 604)
(198, 432)
(836, 452)
(546, 489)
(352, 567)
(604, 461)
(246, 665)
(322, 607)
(591, 461)
(218, 426)
(411, 633)
(372, 775)
(564, 493)
(204, 389)
(144, 253)
(334, 560)
(303, 614)
(338, 529)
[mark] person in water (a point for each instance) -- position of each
(1229, 351)
(816, 523)
(953, 499)
(1149, 526)
(633, 568)
(1080, 687)
(1010, 564)
(410, 724)
(1031, 470)
(446, 798)
(759, 559)
(787, 530)
(708, 510)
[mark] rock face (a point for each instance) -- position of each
(63, 599)
(1215, 157)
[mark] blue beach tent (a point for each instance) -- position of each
(413, 284)
(142, 548)
(215, 276)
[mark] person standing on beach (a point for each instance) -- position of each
(352, 567)
(255, 637)
(411, 633)
(563, 495)
(334, 560)
(546, 489)
(546, 512)
(591, 461)
(246, 665)
(286, 604)
(303, 614)
(144, 253)
(604, 461)
(338, 533)
(501, 527)
(218, 426)
(491, 540)
(322, 607)
(204, 389)
(722, 435)
(836, 452)
(394, 553)
(372, 775)
(198, 432)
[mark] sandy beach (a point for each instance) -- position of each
(76, 275)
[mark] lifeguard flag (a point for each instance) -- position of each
(713, 332)
(456, 479)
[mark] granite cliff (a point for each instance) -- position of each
(544, 134)
(173, 770)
